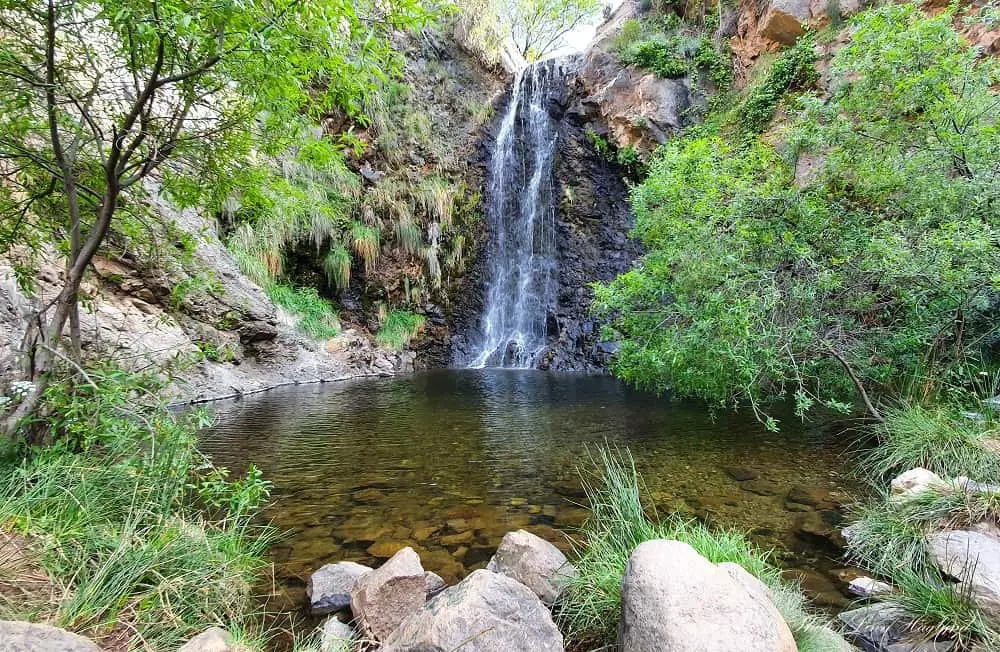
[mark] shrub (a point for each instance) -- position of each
(398, 328)
(657, 55)
(795, 69)
(590, 609)
(315, 316)
(833, 289)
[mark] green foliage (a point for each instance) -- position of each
(314, 315)
(718, 65)
(627, 158)
(795, 69)
(140, 534)
(755, 287)
(657, 55)
(590, 609)
(254, 75)
(398, 328)
(538, 27)
(940, 437)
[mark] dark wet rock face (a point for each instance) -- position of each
(592, 220)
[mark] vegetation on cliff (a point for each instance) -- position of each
(857, 259)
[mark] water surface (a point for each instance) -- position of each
(448, 461)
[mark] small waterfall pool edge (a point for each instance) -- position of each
(448, 461)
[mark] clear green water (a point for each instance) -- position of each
(448, 461)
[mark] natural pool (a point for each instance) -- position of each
(448, 461)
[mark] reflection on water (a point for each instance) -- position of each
(448, 461)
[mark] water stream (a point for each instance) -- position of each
(449, 461)
(520, 209)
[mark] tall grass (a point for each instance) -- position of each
(939, 437)
(366, 241)
(145, 541)
(590, 609)
(398, 328)
(337, 266)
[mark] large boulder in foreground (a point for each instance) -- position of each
(329, 589)
(17, 636)
(485, 612)
(384, 597)
(534, 562)
(675, 599)
(974, 559)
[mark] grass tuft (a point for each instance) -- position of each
(315, 316)
(939, 438)
(337, 266)
(398, 328)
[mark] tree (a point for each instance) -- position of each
(539, 26)
(105, 101)
(877, 273)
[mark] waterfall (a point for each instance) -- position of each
(521, 279)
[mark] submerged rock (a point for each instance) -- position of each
(18, 636)
(329, 588)
(534, 562)
(675, 599)
(485, 612)
(384, 597)
(868, 587)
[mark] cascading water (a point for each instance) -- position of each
(521, 205)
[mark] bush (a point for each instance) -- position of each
(657, 55)
(838, 287)
(590, 609)
(398, 328)
(795, 69)
(315, 316)
(145, 541)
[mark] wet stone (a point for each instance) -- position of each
(369, 496)
(761, 487)
(741, 474)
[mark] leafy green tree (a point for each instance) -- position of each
(881, 269)
(103, 102)
(540, 26)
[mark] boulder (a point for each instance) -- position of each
(213, 639)
(18, 636)
(973, 558)
(675, 599)
(785, 21)
(485, 612)
(534, 562)
(335, 636)
(329, 588)
(915, 482)
(384, 597)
